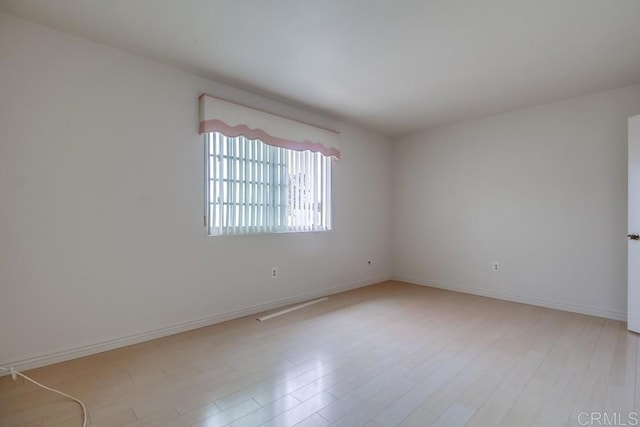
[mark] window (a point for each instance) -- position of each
(265, 173)
(252, 187)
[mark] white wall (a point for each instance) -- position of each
(543, 191)
(101, 200)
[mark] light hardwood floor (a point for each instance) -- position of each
(385, 355)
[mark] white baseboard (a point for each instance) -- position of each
(541, 302)
(73, 353)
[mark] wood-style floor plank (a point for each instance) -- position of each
(390, 354)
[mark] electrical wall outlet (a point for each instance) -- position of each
(274, 272)
(495, 266)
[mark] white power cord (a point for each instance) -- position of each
(15, 374)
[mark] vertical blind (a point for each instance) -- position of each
(253, 187)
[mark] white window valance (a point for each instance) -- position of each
(231, 119)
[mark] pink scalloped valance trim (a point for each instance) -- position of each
(215, 125)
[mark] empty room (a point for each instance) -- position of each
(313, 213)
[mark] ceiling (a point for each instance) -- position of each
(392, 66)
